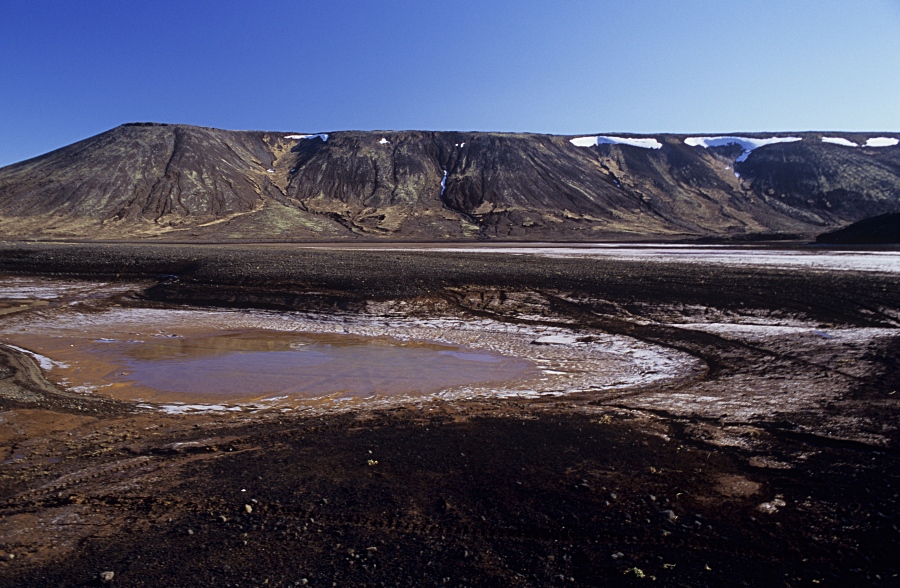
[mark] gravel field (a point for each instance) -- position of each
(762, 452)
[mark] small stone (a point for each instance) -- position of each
(669, 515)
(190, 531)
(223, 519)
(107, 577)
(248, 508)
(617, 555)
(9, 556)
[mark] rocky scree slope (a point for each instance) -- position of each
(178, 182)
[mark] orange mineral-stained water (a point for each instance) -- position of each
(240, 365)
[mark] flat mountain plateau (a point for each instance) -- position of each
(193, 184)
(772, 461)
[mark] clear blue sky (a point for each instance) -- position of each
(71, 69)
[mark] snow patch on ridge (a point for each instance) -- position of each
(323, 136)
(649, 143)
(748, 144)
(881, 142)
(839, 141)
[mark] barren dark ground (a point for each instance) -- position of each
(776, 466)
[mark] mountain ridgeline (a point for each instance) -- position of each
(185, 183)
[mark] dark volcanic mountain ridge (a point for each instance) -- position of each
(182, 182)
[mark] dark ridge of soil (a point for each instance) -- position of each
(284, 277)
(876, 230)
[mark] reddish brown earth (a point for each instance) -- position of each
(777, 465)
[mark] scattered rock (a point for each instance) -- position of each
(761, 461)
(669, 515)
(107, 577)
(773, 505)
(248, 508)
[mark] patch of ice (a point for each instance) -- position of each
(556, 340)
(323, 136)
(383, 141)
(882, 142)
(444, 183)
(178, 408)
(271, 170)
(839, 141)
(45, 362)
(648, 143)
(748, 144)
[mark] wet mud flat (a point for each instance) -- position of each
(771, 462)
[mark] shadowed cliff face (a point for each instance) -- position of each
(183, 182)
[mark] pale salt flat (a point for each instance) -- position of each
(839, 141)
(648, 143)
(813, 259)
(748, 144)
(882, 142)
(17, 288)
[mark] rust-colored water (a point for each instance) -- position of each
(259, 364)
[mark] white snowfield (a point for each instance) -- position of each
(839, 141)
(882, 142)
(748, 144)
(604, 140)
(872, 142)
(323, 136)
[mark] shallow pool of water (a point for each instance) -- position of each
(257, 364)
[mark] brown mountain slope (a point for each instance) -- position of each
(193, 183)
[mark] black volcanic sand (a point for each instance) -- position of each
(582, 490)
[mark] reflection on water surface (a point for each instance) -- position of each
(199, 365)
(259, 363)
